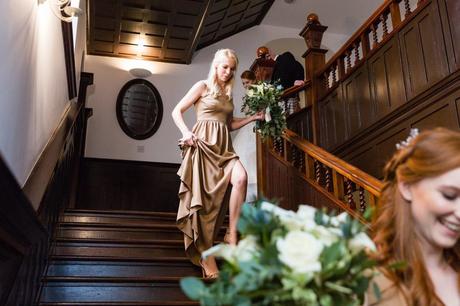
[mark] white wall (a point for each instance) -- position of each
(33, 84)
(105, 139)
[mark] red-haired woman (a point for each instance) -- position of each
(419, 222)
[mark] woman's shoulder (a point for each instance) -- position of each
(388, 294)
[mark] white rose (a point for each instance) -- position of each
(268, 117)
(246, 249)
(361, 242)
(306, 213)
(300, 251)
(327, 235)
(250, 92)
(287, 217)
(342, 218)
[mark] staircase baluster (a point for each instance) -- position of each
(375, 40)
(328, 179)
(362, 200)
(407, 8)
(384, 18)
(350, 200)
(356, 49)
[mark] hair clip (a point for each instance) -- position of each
(405, 143)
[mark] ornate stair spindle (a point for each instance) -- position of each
(362, 200)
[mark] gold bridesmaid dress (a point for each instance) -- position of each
(205, 176)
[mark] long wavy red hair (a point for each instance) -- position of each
(430, 154)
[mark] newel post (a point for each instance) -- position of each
(315, 59)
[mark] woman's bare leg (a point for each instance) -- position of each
(239, 181)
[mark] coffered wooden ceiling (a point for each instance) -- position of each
(169, 30)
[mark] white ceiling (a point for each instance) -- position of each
(341, 16)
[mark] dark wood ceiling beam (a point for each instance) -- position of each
(222, 20)
(171, 17)
(198, 30)
(118, 24)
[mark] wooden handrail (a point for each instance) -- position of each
(295, 89)
(354, 174)
(360, 46)
(363, 29)
(345, 187)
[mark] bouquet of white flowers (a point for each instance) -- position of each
(289, 258)
(266, 97)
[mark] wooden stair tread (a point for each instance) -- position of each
(121, 258)
(121, 212)
(107, 292)
(114, 232)
(121, 269)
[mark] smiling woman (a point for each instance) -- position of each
(419, 222)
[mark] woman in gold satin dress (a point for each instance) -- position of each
(209, 163)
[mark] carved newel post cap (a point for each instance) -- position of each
(313, 18)
(313, 31)
(262, 52)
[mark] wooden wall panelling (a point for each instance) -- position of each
(301, 123)
(443, 113)
(333, 125)
(450, 17)
(128, 185)
(21, 234)
(359, 110)
(386, 79)
(371, 157)
(423, 51)
(372, 151)
(278, 181)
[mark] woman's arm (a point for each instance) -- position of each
(188, 138)
(237, 123)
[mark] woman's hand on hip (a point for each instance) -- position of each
(188, 139)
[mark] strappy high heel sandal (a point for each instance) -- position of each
(211, 276)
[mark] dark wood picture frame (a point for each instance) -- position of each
(128, 131)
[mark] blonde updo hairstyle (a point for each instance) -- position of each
(213, 87)
(428, 155)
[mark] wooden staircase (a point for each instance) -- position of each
(116, 258)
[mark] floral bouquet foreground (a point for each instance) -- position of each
(289, 258)
(266, 97)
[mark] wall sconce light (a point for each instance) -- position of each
(62, 9)
(140, 72)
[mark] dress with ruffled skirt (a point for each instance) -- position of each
(205, 176)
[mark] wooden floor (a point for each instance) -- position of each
(116, 258)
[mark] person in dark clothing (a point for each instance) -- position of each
(288, 72)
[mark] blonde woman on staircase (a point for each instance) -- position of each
(209, 163)
(418, 222)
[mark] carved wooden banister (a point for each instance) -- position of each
(347, 187)
(354, 174)
(378, 29)
(296, 89)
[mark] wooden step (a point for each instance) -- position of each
(114, 220)
(124, 235)
(115, 233)
(97, 292)
(118, 250)
(120, 270)
(171, 215)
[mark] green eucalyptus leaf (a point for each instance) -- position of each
(193, 287)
